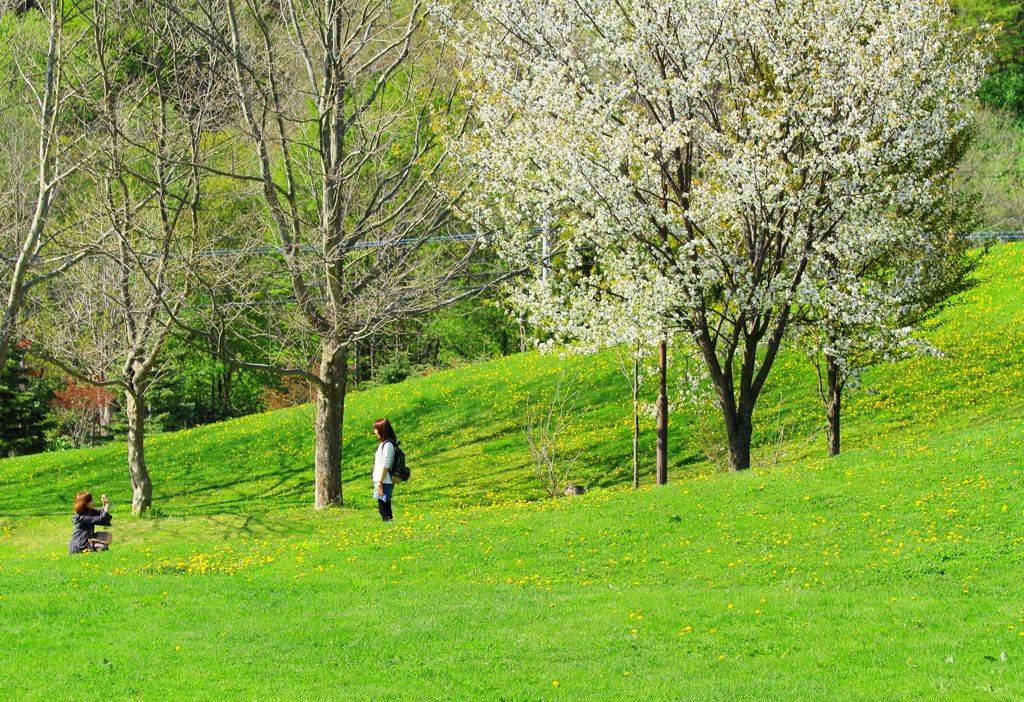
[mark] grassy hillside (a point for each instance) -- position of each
(892, 572)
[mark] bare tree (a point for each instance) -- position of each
(336, 100)
(544, 429)
(105, 321)
(44, 144)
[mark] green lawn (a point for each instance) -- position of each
(892, 572)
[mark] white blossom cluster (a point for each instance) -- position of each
(860, 318)
(708, 166)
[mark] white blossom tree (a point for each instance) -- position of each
(880, 301)
(712, 149)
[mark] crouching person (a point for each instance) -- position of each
(86, 519)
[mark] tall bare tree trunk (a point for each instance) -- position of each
(337, 108)
(142, 486)
(16, 291)
(636, 423)
(330, 415)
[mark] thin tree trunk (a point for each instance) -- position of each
(833, 404)
(636, 423)
(106, 414)
(226, 379)
(330, 414)
(142, 486)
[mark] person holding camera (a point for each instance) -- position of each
(87, 518)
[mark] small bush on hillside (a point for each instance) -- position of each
(397, 369)
(709, 434)
(545, 427)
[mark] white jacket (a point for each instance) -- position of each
(382, 462)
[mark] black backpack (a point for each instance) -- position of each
(399, 471)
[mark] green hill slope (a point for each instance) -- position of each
(462, 432)
(891, 572)
(462, 429)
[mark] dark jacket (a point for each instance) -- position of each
(85, 528)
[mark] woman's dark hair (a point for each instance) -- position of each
(82, 501)
(383, 428)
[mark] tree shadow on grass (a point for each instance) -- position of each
(610, 466)
(288, 481)
(230, 526)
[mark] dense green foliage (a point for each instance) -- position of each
(192, 388)
(468, 331)
(1004, 87)
(891, 572)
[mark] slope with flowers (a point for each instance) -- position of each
(891, 572)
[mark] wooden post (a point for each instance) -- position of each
(662, 461)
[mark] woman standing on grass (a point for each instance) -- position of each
(383, 486)
(86, 519)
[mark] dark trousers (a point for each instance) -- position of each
(384, 506)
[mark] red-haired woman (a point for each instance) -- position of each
(86, 519)
(383, 487)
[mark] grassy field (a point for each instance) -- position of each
(892, 572)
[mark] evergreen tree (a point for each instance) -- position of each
(23, 408)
